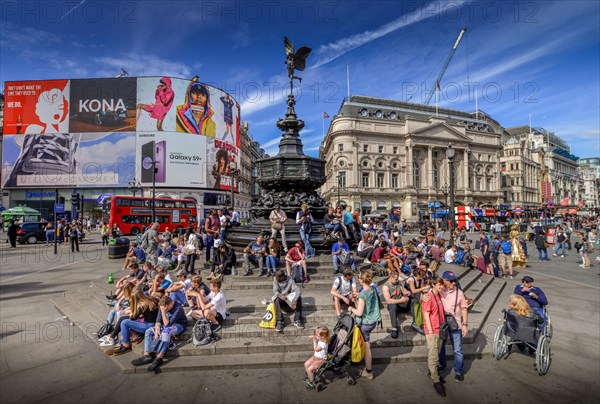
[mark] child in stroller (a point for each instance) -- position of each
(339, 357)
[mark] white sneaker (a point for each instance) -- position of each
(105, 338)
(367, 261)
(554, 255)
(108, 343)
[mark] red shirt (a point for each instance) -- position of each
(435, 311)
(294, 254)
(378, 255)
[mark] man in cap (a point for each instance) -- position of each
(534, 296)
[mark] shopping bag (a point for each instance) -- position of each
(359, 348)
(418, 315)
(269, 320)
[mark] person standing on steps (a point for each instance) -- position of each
(278, 219)
(304, 220)
(433, 316)
(368, 315)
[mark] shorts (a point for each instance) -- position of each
(382, 264)
(504, 260)
(366, 331)
(487, 258)
(220, 318)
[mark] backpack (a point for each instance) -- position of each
(506, 248)
(339, 279)
(496, 247)
(478, 244)
(144, 240)
(201, 333)
(106, 329)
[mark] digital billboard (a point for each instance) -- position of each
(180, 159)
(68, 159)
(70, 129)
(101, 105)
(36, 107)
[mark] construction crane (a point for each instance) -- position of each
(446, 63)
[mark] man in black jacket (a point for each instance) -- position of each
(12, 234)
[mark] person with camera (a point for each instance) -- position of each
(304, 221)
(278, 219)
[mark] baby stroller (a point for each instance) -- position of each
(339, 357)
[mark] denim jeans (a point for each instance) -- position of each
(272, 263)
(222, 235)
(540, 251)
(179, 296)
(157, 345)
(111, 316)
(456, 340)
(132, 325)
(333, 227)
(558, 247)
(210, 241)
(310, 251)
(49, 236)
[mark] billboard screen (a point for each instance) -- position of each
(77, 160)
(180, 159)
(36, 107)
(188, 126)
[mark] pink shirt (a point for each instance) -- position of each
(433, 310)
(448, 299)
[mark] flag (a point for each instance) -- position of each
(325, 115)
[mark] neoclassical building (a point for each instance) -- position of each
(382, 154)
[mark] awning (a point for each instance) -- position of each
(366, 204)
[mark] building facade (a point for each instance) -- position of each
(589, 169)
(390, 155)
(520, 174)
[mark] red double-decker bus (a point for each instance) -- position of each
(132, 213)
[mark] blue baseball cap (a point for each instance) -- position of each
(449, 276)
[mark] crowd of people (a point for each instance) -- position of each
(149, 299)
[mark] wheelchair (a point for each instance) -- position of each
(527, 331)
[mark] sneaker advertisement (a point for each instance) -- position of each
(69, 160)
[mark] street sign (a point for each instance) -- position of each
(433, 204)
(59, 208)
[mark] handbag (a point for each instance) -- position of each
(269, 319)
(444, 328)
(276, 226)
(359, 348)
(546, 244)
(449, 317)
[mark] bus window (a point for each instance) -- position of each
(123, 202)
(169, 204)
(160, 204)
(190, 205)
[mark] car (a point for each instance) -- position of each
(31, 232)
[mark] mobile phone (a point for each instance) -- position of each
(146, 161)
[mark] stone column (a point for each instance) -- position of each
(429, 181)
(465, 167)
(409, 171)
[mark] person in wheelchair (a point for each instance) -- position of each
(524, 323)
(534, 296)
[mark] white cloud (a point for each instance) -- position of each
(141, 65)
(334, 50)
(104, 153)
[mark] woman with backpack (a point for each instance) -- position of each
(368, 316)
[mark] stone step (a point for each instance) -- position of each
(294, 359)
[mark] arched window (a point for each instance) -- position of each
(416, 175)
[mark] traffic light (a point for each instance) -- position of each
(77, 200)
(61, 200)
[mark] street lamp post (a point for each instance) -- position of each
(339, 178)
(446, 191)
(153, 191)
(234, 172)
(450, 153)
(134, 186)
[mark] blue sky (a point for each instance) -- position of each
(532, 57)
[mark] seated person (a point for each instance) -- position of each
(335, 252)
(436, 252)
(179, 254)
(534, 296)
(397, 299)
(365, 247)
(223, 262)
(519, 305)
(286, 291)
(254, 254)
(450, 255)
(526, 319)
(135, 254)
(295, 257)
(136, 276)
(171, 320)
(165, 255)
(197, 292)
(178, 288)
(332, 223)
(159, 286)
(382, 258)
(344, 290)
(213, 306)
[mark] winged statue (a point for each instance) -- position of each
(295, 60)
